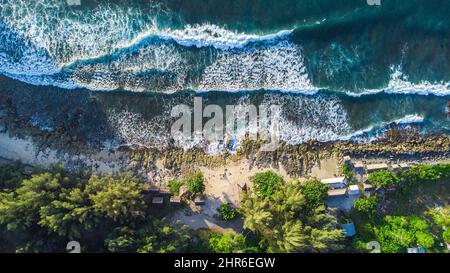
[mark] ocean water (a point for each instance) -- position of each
(350, 69)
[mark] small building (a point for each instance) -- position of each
(358, 166)
(164, 190)
(337, 192)
(416, 250)
(377, 167)
(368, 187)
(199, 200)
(175, 200)
(349, 229)
(157, 200)
(154, 188)
(396, 167)
(353, 190)
(404, 166)
(347, 160)
(335, 183)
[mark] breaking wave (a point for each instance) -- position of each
(114, 47)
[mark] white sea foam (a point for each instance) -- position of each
(410, 119)
(56, 36)
(399, 84)
(212, 35)
(380, 127)
(321, 119)
(302, 119)
(68, 33)
(273, 67)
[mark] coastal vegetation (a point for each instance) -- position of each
(347, 172)
(415, 214)
(383, 178)
(195, 183)
(227, 212)
(292, 219)
(42, 210)
(266, 183)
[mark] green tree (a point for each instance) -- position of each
(366, 205)
(424, 239)
(21, 209)
(397, 233)
(256, 215)
(383, 178)
(174, 186)
(315, 193)
(229, 242)
(11, 176)
(446, 235)
(287, 221)
(118, 199)
(104, 213)
(266, 183)
(164, 238)
(195, 183)
(150, 236)
(227, 212)
(440, 217)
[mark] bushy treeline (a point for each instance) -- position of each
(411, 177)
(408, 216)
(42, 212)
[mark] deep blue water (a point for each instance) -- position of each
(347, 68)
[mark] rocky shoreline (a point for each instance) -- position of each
(79, 137)
(155, 165)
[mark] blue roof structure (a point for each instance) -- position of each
(349, 229)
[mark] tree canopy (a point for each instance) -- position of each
(45, 211)
(292, 219)
(266, 183)
(383, 178)
(400, 232)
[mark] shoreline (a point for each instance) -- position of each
(226, 176)
(313, 159)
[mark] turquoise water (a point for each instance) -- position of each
(358, 68)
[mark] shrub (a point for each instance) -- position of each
(10, 176)
(195, 183)
(428, 173)
(446, 235)
(383, 179)
(174, 186)
(229, 242)
(266, 183)
(347, 172)
(366, 205)
(397, 233)
(227, 212)
(315, 193)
